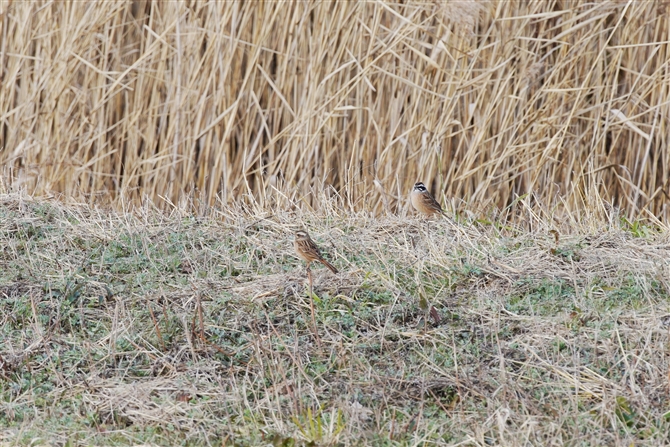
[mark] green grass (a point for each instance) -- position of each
(121, 330)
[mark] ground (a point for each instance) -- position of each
(157, 328)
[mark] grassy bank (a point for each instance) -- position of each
(159, 328)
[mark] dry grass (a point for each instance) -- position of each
(200, 102)
(122, 328)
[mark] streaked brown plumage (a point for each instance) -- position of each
(423, 201)
(307, 250)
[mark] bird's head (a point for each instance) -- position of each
(419, 187)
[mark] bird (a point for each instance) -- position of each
(307, 250)
(423, 201)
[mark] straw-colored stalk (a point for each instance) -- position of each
(207, 101)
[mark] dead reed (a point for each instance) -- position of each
(213, 101)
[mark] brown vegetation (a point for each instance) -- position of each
(156, 329)
(194, 102)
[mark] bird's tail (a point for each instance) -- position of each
(329, 265)
(449, 218)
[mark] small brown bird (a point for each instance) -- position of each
(307, 250)
(423, 201)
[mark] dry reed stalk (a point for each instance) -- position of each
(270, 102)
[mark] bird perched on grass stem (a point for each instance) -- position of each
(307, 250)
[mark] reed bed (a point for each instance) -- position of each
(563, 103)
